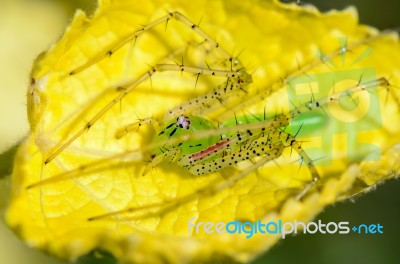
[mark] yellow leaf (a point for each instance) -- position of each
(93, 173)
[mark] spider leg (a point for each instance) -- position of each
(134, 127)
(170, 155)
(134, 35)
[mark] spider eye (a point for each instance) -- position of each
(183, 122)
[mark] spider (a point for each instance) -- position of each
(204, 135)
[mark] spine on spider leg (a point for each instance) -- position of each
(225, 94)
(169, 155)
(340, 51)
(119, 44)
(391, 92)
(308, 111)
(234, 62)
(133, 127)
(290, 141)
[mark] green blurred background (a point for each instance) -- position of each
(24, 27)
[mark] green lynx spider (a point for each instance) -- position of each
(196, 143)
